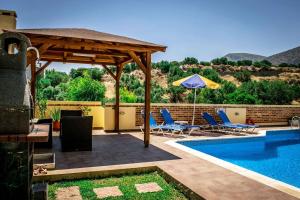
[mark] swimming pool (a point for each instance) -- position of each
(276, 155)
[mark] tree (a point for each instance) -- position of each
(220, 61)
(283, 65)
(211, 74)
(205, 63)
(190, 61)
(93, 73)
(85, 89)
(244, 63)
(232, 63)
(163, 65)
(266, 63)
(157, 93)
(239, 97)
(56, 77)
(257, 64)
(176, 93)
(129, 67)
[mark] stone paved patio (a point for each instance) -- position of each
(123, 151)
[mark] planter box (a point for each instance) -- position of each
(45, 159)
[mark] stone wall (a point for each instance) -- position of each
(261, 114)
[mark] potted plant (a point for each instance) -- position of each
(55, 115)
(42, 105)
(85, 110)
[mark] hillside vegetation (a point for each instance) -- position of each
(242, 82)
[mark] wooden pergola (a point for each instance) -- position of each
(96, 48)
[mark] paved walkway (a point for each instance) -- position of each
(113, 151)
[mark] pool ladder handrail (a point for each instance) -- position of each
(295, 119)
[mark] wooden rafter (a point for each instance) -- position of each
(68, 58)
(124, 62)
(44, 48)
(42, 68)
(109, 71)
(95, 52)
(137, 60)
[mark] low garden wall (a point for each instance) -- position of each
(260, 114)
(97, 110)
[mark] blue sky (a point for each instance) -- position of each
(204, 29)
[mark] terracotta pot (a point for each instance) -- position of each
(56, 125)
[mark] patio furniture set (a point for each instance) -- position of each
(172, 126)
(75, 131)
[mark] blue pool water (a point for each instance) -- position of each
(277, 155)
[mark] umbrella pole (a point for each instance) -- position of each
(194, 107)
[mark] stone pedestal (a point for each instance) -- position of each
(16, 159)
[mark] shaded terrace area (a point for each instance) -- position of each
(69, 45)
(108, 149)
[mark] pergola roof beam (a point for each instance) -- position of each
(96, 45)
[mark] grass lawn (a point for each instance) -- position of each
(126, 185)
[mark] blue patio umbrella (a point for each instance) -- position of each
(196, 81)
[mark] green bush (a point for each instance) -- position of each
(211, 74)
(85, 89)
(127, 96)
(242, 76)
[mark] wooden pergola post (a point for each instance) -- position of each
(117, 105)
(147, 98)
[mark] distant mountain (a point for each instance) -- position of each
(291, 56)
(244, 56)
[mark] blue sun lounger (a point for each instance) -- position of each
(214, 124)
(161, 127)
(170, 121)
(227, 121)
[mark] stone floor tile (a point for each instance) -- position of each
(105, 192)
(148, 187)
(68, 193)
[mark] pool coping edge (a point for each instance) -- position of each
(276, 184)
